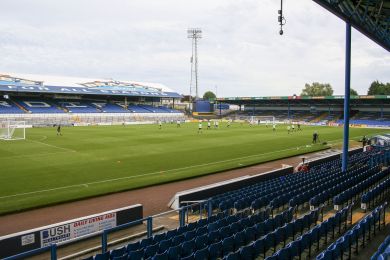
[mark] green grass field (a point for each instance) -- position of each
(88, 161)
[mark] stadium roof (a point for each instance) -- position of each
(370, 17)
(30, 83)
(338, 99)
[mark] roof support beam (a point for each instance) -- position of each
(344, 162)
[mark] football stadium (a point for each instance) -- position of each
(115, 168)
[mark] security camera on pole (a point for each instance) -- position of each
(281, 19)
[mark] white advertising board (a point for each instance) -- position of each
(77, 229)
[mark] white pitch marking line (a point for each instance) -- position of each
(139, 175)
(32, 155)
(51, 145)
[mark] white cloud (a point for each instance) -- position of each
(145, 40)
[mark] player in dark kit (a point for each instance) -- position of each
(59, 130)
(315, 137)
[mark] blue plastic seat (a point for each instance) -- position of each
(164, 245)
(225, 232)
(201, 231)
(246, 252)
(133, 246)
(233, 256)
(118, 252)
(174, 252)
(189, 257)
(250, 234)
(283, 254)
(187, 248)
(228, 245)
(213, 237)
(146, 242)
(293, 249)
(151, 250)
(260, 228)
(239, 240)
(103, 256)
(162, 256)
(170, 234)
(159, 237)
(122, 257)
(269, 241)
(202, 254)
(177, 240)
(201, 241)
(189, 235)
(136, 254)
(215, 250)
(258, 247)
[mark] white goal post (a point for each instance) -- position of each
(12, 130)
(270, 120)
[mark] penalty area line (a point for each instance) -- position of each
(51, 145)
(86, 185)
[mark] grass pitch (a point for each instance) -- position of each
(88, 161)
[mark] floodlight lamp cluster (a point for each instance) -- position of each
(194, 33)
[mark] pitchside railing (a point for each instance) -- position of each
(185, 214)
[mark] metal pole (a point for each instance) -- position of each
(149, 226)
(346, 95)
(53, 252)
(104, 242)
(210, 208)
(196, 68)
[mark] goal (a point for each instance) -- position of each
(12, 130)
(262, 119)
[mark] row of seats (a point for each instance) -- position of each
(345, 182)
(264, 192)
(280, 235)
(362, 231)
(223, 235)
(383, 251)
(35, 105)
(350, 193)
(313, 236)
(378, 191)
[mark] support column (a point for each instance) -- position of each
(346, 95)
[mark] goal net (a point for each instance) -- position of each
(12, 130)
(270, 120)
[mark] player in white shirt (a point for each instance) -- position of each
(159, 124)
(200, 128)
(229, 122)
(288, 129)
(178, 123)
(217, 123)
(274, 127)
(208, 125)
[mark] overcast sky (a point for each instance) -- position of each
(241, 51)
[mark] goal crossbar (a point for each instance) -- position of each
(12, 130)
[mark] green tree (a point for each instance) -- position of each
(209, 95)
(379, 88)
(353, 92)
(317, 89)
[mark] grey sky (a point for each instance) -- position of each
(145, 40)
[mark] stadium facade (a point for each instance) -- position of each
(323, 110)
(47, 100)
